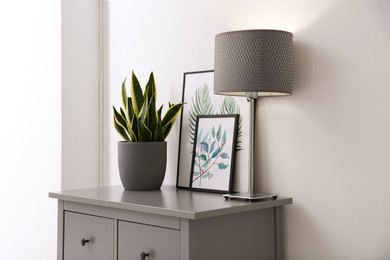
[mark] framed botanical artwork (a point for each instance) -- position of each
(213, 155)
(198, 94)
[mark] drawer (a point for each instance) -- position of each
(135, 239)
(88, 237)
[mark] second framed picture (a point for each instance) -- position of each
(198, 94)
(213, 153)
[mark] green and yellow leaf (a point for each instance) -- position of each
(121, 131)
(150, 89)
(171, 114)
(144, 133)
(159, 134)
(124, 94)
(119, 119)
(136, 94)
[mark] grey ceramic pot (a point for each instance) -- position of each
(142, 165)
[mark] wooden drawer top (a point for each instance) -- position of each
(168, 201)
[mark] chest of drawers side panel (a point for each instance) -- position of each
(60, 230)
(248, 235)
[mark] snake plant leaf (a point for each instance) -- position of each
(121, 130)
(171, 114)
(123, 114)
(159, 111)
(124, 94)
(201, 104)
(119, 119)
(128, 122)
(159, 134)
(134, 125)
(123, 126)
(153, 116)
(131, 133)
(150, 89)
(138, 120)
(144, 134)
(129, 127)
(131, 115)
(130, 111)
(167, 129)
(131, 118)
(136, 94)
(133, 136)
(144, 113)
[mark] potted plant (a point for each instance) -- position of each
(142, 155)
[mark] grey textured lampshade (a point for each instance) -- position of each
(259, 61)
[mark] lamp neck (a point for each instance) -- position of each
(252, 114)
(251, 95)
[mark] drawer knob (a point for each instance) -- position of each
(144, 255)
(84, 241)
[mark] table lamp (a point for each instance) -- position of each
(252, 64)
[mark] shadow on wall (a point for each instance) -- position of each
(305, 225)
(336, 136)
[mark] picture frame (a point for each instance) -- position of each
(213, 154)
(198, 94)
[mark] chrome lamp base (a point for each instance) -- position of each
(251, 197)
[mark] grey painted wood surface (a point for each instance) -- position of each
(60, 230)
(169, 224)
(159, 243)
(97, 231)
(168, 201)
(248, 235)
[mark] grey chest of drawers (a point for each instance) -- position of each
(109, 223)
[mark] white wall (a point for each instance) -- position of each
(30, 132)
(80, 93)
(326, 145)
